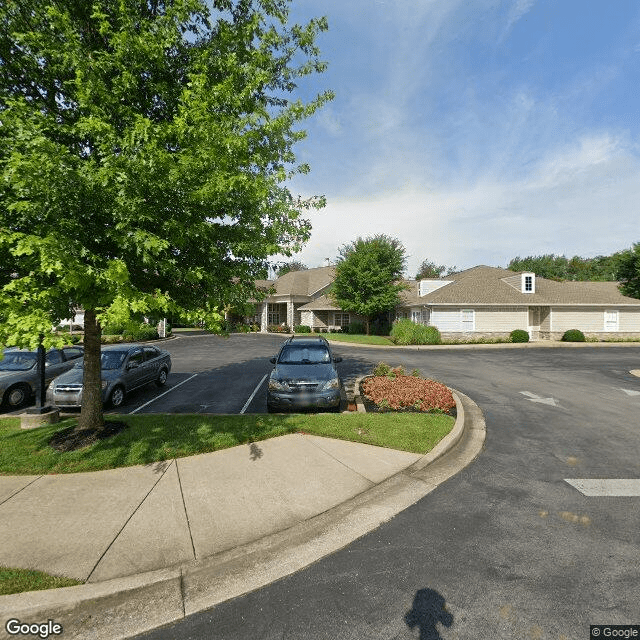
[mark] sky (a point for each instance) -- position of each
(474, 131)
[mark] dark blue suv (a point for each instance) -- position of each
(304, 377)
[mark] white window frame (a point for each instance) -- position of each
(613, 323)
(339, 319)
(416, 316)
(472, 321)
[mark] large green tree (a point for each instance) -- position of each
(368, 276)
(628, 272)
(145, 149)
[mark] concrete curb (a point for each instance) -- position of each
(124, 607)
(500, 345)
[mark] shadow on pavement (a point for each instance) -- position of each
(428, 610)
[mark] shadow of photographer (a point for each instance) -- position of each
(427, 611)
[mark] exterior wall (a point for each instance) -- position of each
(588, 319)
(501, 319)
(545, 320)
(629, 320)
(492, 321)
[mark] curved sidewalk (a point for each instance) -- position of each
(161, 541)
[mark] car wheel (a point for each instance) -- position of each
(17, 395)
(117, 397)
(162, 378)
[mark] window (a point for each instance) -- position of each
(273, 314)
(467, 319)
(341, 319)
(150, 353)
(71, 353)
(528, 283)
(53, 357)
(136, 357)
(610, 320)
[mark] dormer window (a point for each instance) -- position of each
(528, 283)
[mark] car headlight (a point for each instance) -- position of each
(104, 384)
(332, 384)
(278, 385)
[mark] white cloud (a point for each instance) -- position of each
(518, 9)
(581, 200)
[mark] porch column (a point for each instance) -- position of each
(290, 315)
(263, 318)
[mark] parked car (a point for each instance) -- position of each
(304, 377)
(19, 372)
(124, 367)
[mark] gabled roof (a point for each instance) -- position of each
(323, 303)
(304, 283)
(486, 285)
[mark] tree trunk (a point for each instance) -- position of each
(91, 416)
(366, 325)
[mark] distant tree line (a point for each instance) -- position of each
(553, 267)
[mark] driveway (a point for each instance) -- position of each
(508, 548)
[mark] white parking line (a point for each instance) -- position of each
(162, 394)
(248, 402)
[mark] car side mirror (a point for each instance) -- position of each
(272, 360)
(337, 359)
(132, 365)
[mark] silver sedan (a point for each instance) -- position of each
(19, 372)
(124, 367)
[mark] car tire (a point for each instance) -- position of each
(161, 380)
(17, 396)
(117, 397)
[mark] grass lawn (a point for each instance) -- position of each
(20, 580)
(165, 436)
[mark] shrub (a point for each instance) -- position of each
(416, 373)
(278, 328)
(302, 328)
(519, 335)
(381, 369)
(573, 335)
(356, 328)
(407, 332)
(255, 327)
(135, 331)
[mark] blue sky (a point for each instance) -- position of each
(475, 130)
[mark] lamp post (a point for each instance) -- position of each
(41, 389)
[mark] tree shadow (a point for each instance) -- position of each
(427, 611)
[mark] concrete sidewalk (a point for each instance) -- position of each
(109, 524)
(160, 541)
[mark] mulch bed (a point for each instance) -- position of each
(71, 440)
(402, 392)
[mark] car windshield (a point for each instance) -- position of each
(18, 361)
(307, 354)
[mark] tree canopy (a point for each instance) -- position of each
(368, 274)
(553, 267)
(145, 147)
(429, 269)
(628, 272)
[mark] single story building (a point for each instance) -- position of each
(478, 302)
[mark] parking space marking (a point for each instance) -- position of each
(610, 487)
(251, 397)
(162, 394)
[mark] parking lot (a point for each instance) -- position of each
(214, 374)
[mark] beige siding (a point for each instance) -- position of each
(501, 318)
(629, 319)
(583, 318)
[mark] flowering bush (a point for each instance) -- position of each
(402, 393)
